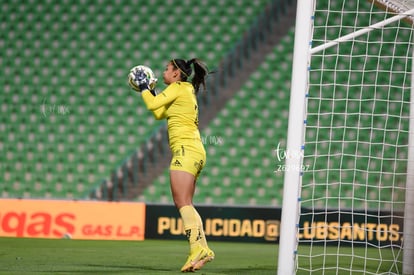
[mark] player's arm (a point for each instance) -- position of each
(159, 113)
(161, 100)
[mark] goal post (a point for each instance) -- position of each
(291, 189)
(408, 255)
(348, 198)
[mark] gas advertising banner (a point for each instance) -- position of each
(72, 219)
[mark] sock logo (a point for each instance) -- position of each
(188, 235)
(199, 237)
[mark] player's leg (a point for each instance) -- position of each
(203, 241)
(182, 188)
(185, 167)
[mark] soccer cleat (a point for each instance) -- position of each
(206, 259)
(197, 259)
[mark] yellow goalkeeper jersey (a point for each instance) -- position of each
(178, 104)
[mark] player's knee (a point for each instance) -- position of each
(179, 201)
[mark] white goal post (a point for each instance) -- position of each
(349, 209)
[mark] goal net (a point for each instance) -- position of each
(353, 196)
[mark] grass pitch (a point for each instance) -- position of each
(61, 256)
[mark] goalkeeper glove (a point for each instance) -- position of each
(134, 86)
(141, 80)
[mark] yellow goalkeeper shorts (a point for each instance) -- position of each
(190, 159)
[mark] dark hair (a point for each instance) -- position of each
(200, 71)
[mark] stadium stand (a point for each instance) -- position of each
(70, 124)
(68, 117)
(257, 41)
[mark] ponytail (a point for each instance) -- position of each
(200, 71)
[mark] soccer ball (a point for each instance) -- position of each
(148, 72)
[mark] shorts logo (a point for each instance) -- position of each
(199, 165)
(177, 163)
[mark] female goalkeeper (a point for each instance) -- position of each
(178, 104)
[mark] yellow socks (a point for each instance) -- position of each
(193, 226)
(203, 240)
(199, 254)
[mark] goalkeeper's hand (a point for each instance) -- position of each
(141, 80)
(134, 86)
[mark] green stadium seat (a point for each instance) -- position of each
(80, 60)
